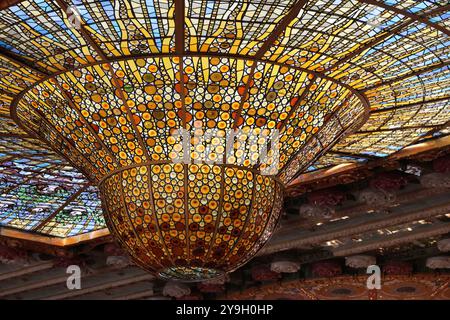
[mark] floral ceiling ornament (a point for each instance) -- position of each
(218, 281)
(440, 178)
(376, 197)
(441, 262)
(382, 189)
(360, 261)
(116, 256)
(111, 249)
(192, 297)
(315, 213)
(215, 285)
(284, 266)
(326, 197)
(444, 245)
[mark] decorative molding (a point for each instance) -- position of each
(425, 286)
(353, 228)
(441, 262)
(19, 235)
(360, 261)
(361, 209)
(393, 240)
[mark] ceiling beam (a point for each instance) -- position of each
(41, 266)
(416, 252)
(179, 28)
(280, 28)
(353, 155)
(428, 133)
(361, 209)
(439, 127)
(41, 283)
(137, 295)
(433, 230)
(179, 51)
(32, 286)
(346, 228)
(84, 33)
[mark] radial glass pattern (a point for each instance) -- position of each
(108, 84)
(192, 221)
(197, 219)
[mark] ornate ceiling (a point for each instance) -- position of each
(391, 56)
(394, 55)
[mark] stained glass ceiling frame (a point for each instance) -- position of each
(411, 17)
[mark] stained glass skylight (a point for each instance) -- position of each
(105, 83)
